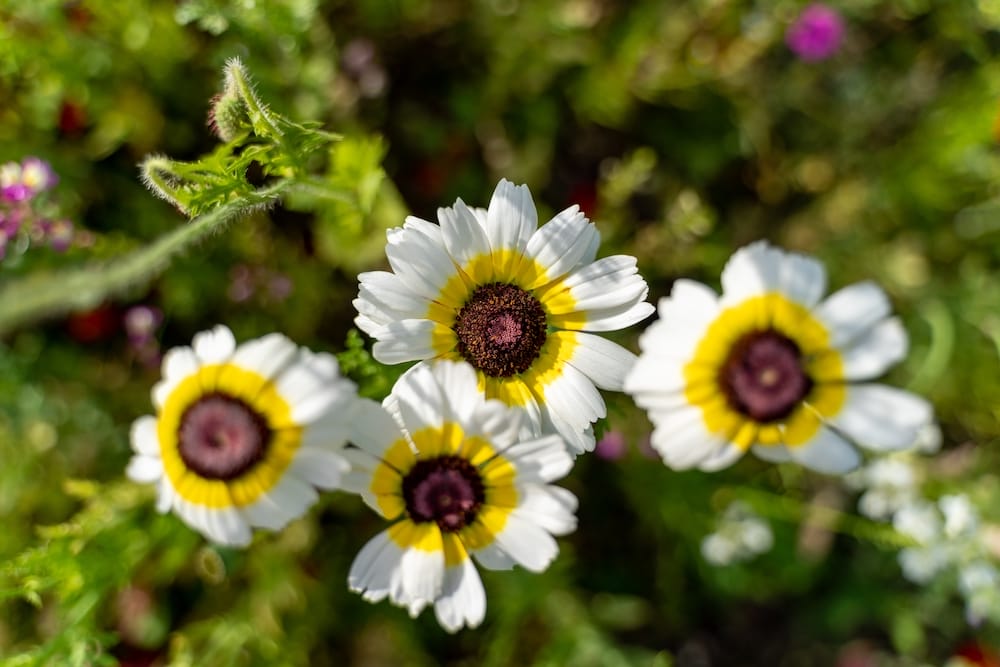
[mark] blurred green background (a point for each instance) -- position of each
(685, 129)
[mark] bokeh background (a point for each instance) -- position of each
(685, 129)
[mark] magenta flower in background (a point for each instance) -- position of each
(816, 34)
(611, 446)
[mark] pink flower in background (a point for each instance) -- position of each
(612, 446)
(22, 181)
(816, 34)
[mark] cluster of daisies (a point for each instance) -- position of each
(502, 317)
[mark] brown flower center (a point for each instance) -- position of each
(500, 329)
(221, 437)
(763, 377)
(447, 490)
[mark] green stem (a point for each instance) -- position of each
(44, 295)
(257, 111)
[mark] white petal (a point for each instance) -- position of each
(684, 317)
(227, 526)
(292, 496)
(418, 398)
(511, 218)
(603, 362)
(422, 576)
(144, 469)
(827, 452)
(802, 279)
(405, 340)
(266, 356)
(721, 458)
(752, 270)
(574, 399)
(540, 460)
(772, 453)
(561, 243)
(376, 569)
(578, 440)
(654, 373)
(459, 388)
(464, 235)
(851, 311)
(265, 512)
(214, 346)
(607, 289)
(321, 468)
(498, 423)
(312, 386)
(882, 418)
(613, 319)
(165, 495)
(178, 364)
(682, 439)
(373, 428)
(462, 601)
(223, 526)
(492, 557)
(383, 298)
(143, 436)
(417, 255)
(872, 353)
(527, 543)
(550, 507)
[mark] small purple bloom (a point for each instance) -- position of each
(37, 174)
(816, 33)
(612, 446)
(141, 323)
(59, 234)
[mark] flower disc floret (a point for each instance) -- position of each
(243, 435)
(459, 478)
(518, 301)
(772, 366)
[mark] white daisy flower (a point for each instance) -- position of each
(513, 299)
(243, 434)
(770, 367)
(453, 472)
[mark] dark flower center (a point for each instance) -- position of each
(763, 377)
(447, 490)
(221, 437)
(500, 329)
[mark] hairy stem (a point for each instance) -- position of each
(37, 296)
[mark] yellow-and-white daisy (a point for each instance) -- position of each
(513, 299)
(243, 434)
(454, 472)
(771, 367)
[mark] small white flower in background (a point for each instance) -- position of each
(771, 366)
(455, 473)
(739, 536)
(242, 434)
(890, 484)
(921, 564)
(960, 517)
(515, 300)
(919, 520)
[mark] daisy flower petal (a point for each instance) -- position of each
(463, 600)
(454, 491)
(494, 289)
(769, 366)
(243, 434)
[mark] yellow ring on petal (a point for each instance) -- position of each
(260, 395)
(498, 476)
(822, 364)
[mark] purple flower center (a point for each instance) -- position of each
(500, 329)
(763, 377)
(221, 437)
(447, 490)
